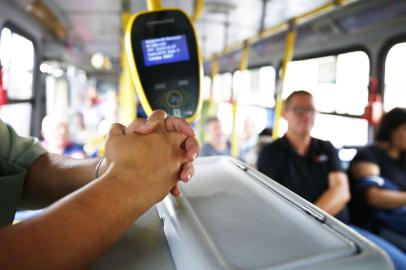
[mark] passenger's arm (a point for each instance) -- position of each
(334, 199)
(384, 198)
(75, 231)
(375, 196)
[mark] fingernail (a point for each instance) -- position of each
(194, 156)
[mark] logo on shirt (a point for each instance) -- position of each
(321, 158)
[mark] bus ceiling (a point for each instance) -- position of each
(88, 28)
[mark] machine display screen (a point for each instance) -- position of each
(165, 50)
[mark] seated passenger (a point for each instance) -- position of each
(248, 138)
(55, 131)
(216, 142)
(379, 173)
(311, 168)
(308, 166)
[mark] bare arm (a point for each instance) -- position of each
(52, 177)
(76, 230)
(334, 199)
(375, 196)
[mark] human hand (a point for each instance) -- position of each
(173, 124)
(149, 163)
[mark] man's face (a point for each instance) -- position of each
(214, 132)
(300, 114)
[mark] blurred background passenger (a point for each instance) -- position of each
(264, 138)
(216, 141)
(379, 177)
(248, 138)
(57, 140)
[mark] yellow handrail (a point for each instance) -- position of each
(283, 26)
(289, 48)
(235, 150)
(126, 95)
(197, 10)
(154, 5)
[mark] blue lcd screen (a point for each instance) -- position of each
(165, 50)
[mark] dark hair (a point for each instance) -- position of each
(288, 100)
(266, 132)
(389, 123)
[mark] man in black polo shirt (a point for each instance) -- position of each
(309, 167)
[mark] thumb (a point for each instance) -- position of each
(157, 116)
(116, 129)
(140, 126)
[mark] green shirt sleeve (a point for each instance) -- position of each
(16, 155)
(18, 150)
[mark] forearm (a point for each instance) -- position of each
(385, 199)
(75, 231)
(52, 177)
(333, 201)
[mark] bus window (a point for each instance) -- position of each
(17, 58)
(395, 80)
(254, 91)
(206, 85)
(222, 87)
(339, 84)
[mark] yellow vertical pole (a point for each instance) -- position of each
(235, 150)
(289, 49)
(127, 96)
(214, 72)
(197, 10)
(154, 5)
(209, 106)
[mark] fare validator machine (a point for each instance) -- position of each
(165, 62)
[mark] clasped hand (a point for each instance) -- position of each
(158, 150)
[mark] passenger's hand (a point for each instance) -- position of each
(173, 124)
(148, 163)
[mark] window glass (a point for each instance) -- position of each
(9, 112)
(222, 84)
(17, 59)
(395, 79)
(344, 130)
(339, 82)
(206, 85)
(255, 87)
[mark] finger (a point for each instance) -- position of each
(157, 116)
(140, 126)
(175, 191)
(116, 129)
(187, 172)
(179, 125)
(192, 148)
